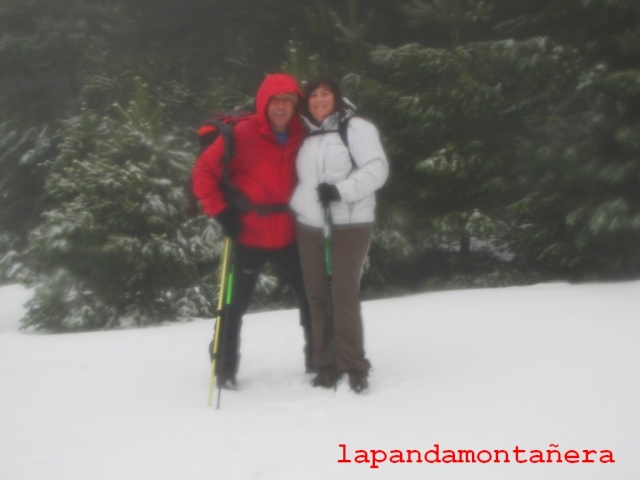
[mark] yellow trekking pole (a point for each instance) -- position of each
(215, 343)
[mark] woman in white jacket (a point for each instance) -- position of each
(342, 177)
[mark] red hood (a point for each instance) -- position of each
(274, 84)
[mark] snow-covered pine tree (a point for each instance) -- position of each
(461, 119)
(45, 52)
(24, 153)
(114, 248)
(581, 211)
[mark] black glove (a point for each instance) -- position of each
(230, 222)
(328, 193)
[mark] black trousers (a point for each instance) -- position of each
(247, 264)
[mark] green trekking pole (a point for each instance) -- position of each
(214, 348)
(327, 233)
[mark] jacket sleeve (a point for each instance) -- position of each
(207, 179)
(370, 158)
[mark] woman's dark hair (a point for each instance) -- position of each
(340, 105)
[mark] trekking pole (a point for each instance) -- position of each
(328, 223)
(215, 344)
(228, 295)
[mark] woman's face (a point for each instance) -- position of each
(321, 103)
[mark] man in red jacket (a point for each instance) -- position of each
(254, 211)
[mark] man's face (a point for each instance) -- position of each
(280, 109)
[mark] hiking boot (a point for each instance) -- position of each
(358, 381)
(324, 378)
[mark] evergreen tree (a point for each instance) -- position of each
(461, 115)
(508, 123)
(114, 248)
(519, 143)
(45, 46)
(452, 16)
(581, 213)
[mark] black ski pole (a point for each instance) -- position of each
(327, 233)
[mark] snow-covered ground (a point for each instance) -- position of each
(551, 367)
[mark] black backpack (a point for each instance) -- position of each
(222, 123)
(218, 123)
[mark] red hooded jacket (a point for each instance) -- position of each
(262, 169)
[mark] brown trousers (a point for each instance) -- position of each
(350, 245)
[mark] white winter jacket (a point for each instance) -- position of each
(325, 158)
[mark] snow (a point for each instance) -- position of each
(545, 367)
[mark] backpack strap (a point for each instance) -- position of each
(239, 199)
(343, 126)
(222, 124)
